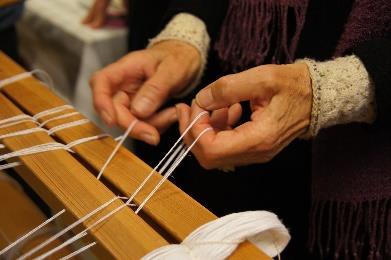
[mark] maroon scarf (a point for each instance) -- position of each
(351, 180)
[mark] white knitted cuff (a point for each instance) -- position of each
(192, 30)
(342, 93)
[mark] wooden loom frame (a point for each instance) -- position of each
(66, 181)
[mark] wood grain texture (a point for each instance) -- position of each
(172, 209)
(17, 221)
(64, 183)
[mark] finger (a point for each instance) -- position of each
(163, 119)
(232, 89)
(156, 90)
(219, 119)
(102, 91)
(183, 114)
(200, 125)
(142, 131)
(125, 73)
(234, 114)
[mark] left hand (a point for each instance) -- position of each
(281, 99)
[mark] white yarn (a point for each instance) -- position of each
(86, 139)
(23, 75)
(34, 150)
(65, 230)
(219, 238)
(58, 117)
(171, 170)
(3, 251)
(51, 111)
(9, 165)
(116, 148)
(67, 125)
(40, 148)
(23, 132)
(15, 119)
(15, 78)
(77, 252)
(128, 202)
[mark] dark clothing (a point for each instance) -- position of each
(283, 185)
(8, 36)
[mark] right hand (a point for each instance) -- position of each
(97, 14)
(136, 86)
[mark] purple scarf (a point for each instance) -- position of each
(351, 179)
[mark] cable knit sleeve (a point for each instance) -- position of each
(342, 93)
(192, 30)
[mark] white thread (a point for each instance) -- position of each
(172, 168)
(35, 149)
(86, 139)
(16, 120)
(48, 82)
(27, 74)
(118, 138)
(63, 231)
(15, 78)
(53, 250)
(9, 166)
(77, 252)
(128, 202)
(23, 132)
(58, 117)
(219, 238)
(167, 154)
(51, 111)
(19, 122)
(121, 141)
(31, 232)
(67, 125)
(175, 153)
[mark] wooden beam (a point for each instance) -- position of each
(63, 182)
(170, 208)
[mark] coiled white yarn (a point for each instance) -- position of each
(219, 238)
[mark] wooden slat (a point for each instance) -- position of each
(172, 209)
(64, 183)
(17, 221)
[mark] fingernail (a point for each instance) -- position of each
(106, 117)
(149, 138)
(141, 105)
(204, 98)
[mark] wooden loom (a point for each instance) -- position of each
(68, 181)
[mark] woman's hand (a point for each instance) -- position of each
(280, 97)
(137, 85)
(97, 14)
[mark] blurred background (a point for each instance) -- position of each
(55, 36)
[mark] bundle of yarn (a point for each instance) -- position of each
(219, 238)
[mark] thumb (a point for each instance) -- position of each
(229, 90)
(154, 92)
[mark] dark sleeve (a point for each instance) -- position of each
(212, 12)
(376, 56)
